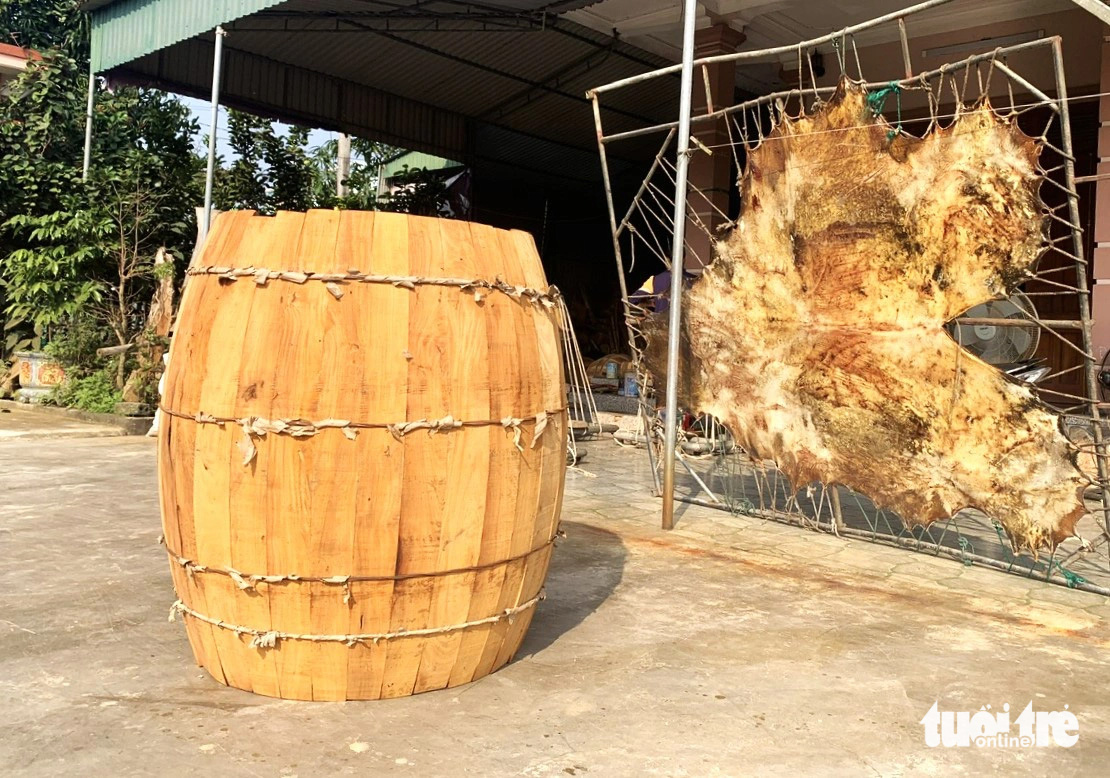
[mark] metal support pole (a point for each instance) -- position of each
(678, 252)
(342, 164)
(1081, 281)
(210, 176)
(89, 126)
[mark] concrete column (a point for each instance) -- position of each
(711, 175)
(1100, 299)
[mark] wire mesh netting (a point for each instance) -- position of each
(1047, 325)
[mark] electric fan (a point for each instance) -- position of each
(1000, 344)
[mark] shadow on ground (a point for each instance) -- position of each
(585, 569)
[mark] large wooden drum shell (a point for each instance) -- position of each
(355, 498)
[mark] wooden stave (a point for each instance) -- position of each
(209, 646)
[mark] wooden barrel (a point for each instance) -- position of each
(362, 451)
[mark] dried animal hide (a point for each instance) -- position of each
(817, 333)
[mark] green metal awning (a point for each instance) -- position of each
(124, 30)
(414, 160)
(127, 29)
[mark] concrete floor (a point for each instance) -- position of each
(726, 647)
(23, 423)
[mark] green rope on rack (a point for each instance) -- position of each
(877, 99)
(1072, 579)
(1002, 542)
(740, 505)
(964, 546)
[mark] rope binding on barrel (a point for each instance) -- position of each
(480, 287)
(267, 639)
(255, 427)
(248, 581)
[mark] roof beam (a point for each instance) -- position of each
(268, 87)
(504, 74)
(574, 69)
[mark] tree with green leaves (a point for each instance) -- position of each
(362, 178)
(275, 171)
(270, 172)
(78, 255)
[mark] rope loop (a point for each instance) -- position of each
(266, 639)
(248, 581)
(479, 287)
(256, 427)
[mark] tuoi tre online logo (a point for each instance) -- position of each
(984, 729)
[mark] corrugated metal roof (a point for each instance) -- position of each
(301, 96)
(430, 78)
(548, 6)
(128, 29)
(414, 160)
(124, 30)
